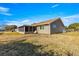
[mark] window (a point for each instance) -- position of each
(54, 26)
(41, 27)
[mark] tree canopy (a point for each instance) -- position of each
(10, 27)
(74, 26)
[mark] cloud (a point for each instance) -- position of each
(70, 19)
(2, 9)
(67, 20)
(73, 16)
(7, 14)
(5, 11)
(56, 5)
(19, 22)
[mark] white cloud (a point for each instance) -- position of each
(8, 14)
(73, 16)
(26, 20)
(2, 9)
(56, 5)
(66, 20)
(5, 11)
(19, 22)
(70, 19)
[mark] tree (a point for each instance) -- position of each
(66, 27)
(10, 27)
(74, 26)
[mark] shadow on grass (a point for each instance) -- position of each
(19, 48)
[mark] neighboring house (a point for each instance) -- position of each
(72, 30)
(69, 30)
(45, 27)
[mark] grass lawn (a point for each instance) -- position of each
(12, 43)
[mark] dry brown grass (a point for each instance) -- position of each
(39, 44)
(62, 44)
(9, 36)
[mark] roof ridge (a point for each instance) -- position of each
(46, 22)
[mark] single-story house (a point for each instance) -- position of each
(69, 30)
(46, 27)
(26, 29)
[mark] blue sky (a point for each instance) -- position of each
(28, 13)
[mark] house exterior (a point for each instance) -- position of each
(26, 29)
(46, 27)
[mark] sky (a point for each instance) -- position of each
(28, 13)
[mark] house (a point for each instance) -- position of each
(26, 29)
(46, 27)
(70, 30)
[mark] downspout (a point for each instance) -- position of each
(50, 28)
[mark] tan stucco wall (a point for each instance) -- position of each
(46, 30)
(59, 27)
